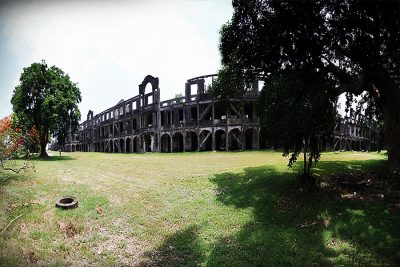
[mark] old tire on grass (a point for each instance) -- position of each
(67, 203)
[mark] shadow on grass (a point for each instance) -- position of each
(290, 228)
(53, 158)
(372, 166)
(273, 238)
(340, 231)
(183, 248)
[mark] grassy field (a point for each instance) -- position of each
(198, 209)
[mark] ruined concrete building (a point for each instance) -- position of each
(193, 122)
(355, 132)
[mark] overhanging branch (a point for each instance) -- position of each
(348, 83)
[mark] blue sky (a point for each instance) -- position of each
(108, 47)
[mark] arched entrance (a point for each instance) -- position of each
(235, 139)
(165, 143)
(177, 142)
(121, 146)
(191, 141)
(128, 145)
(111, 146)
(220, 140)
(136, 146)
(147, 143)
(205, 141)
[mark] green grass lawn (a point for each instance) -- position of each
(191, 209)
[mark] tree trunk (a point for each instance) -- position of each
(390, 102)
(307, 182)
(391, 113)
(309, 164)
(43, 144)
(305, 164)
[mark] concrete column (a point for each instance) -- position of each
(227, 140)
(213, 140)
(228, 115)
(187, 92)
(184, 114)
(184, 141)
(198, 139)
(200, 87)
(258, 139)
(141, 144)
(198, 111)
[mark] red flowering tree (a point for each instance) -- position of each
(13, 144)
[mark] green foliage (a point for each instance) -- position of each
(265, 36)
(178, 97)
(48, 100)
(230, 83)
(355, 43)
(296, 112)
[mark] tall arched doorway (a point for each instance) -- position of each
(165, 143)
(177, 142)
(205, 141)
(128, 145)
(191, 141)
(220, 140)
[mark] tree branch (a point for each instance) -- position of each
(13, 220)
(348, 83)
(16, 170)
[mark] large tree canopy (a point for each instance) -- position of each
(355, 42)
(47, 100)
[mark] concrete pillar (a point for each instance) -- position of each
(228, 115)
(198, 139)
(187, 92)
(213, 140)
(184, 141)
(200, 87)
(227, 140)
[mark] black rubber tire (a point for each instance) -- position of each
(67, 202)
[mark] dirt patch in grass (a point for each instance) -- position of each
(124, 249)
(69, 229)
(362, 186)
(358, 185)
(121, 244)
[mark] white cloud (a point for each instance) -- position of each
(109, 47)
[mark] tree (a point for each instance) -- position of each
(178, 97)
(355, 42)
(294, 114)
(13, 144)
(47, 100)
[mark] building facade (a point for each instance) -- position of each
(193, 122)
